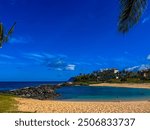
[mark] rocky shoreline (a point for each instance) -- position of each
(42, 92)
(48, 91)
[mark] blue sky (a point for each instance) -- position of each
(58, 39)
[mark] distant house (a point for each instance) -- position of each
(98, 78)
(146, 74)
(117, 77)
(116, 71)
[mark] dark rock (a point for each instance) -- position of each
(41, 92)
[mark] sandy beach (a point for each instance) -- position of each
(52, 106)
(32, 105)
(128, 85)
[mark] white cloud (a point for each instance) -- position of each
(33, 55)
(148, 57)
(132, 68)
(48, 55)
(55, 62)
(70, 67)
(144, 67)
(38, 58)
(6, 56)
(139, 68)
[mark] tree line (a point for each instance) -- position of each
(114, 75)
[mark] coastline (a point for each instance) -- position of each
(33, 105)
(49, 106)
(125, 85)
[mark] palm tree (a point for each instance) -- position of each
(131, 12)
(3, 37)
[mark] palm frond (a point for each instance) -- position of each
(9, 32)
(131, 12)
(1, 32)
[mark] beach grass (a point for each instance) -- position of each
(7, 104)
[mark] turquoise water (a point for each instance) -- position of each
(87, 93)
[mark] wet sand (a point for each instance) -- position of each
(127, 85)
(32, 105)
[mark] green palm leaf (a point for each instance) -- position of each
(131, 11)
(1, 32)
(10, 32)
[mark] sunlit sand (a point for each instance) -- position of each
(32, 105)
(128, 85)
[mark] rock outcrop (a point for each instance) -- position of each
(42, 92)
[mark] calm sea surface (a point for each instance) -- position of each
(16, 85)
(86, 93)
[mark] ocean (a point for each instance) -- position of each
(16, 85)
(86, 93)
